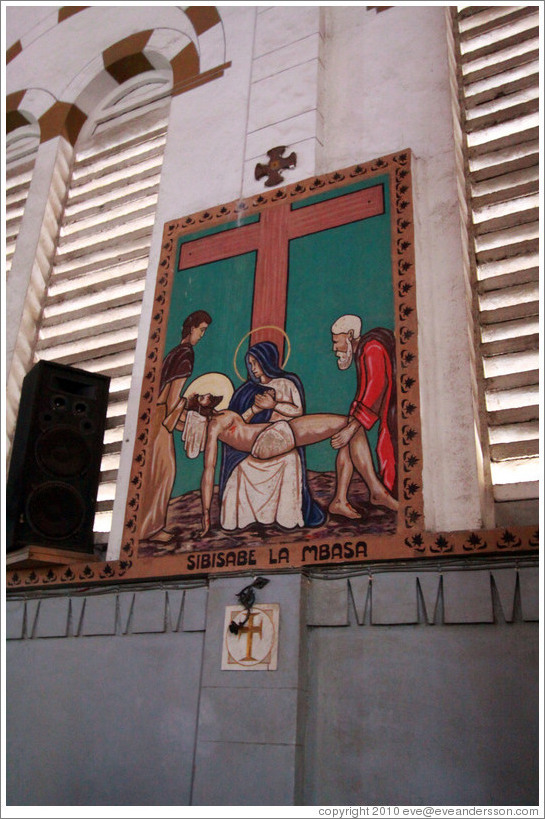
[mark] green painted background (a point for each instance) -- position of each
(225, 290)
(343, 270)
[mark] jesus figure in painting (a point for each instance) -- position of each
(263, 441)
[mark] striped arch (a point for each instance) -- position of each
(16, 115)
(193, 60)
(193, 51)
(54, 118)
(202, 18)
(22, 127)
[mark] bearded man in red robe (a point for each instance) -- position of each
(374, 402)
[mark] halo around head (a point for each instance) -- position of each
(255, 330)
(213, 383)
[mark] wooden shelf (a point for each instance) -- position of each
(30, 556)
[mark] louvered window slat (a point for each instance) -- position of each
(16, 195)
(505, 46)
(93, 205)
(504, 134)
(508, 272)
(527, 489)
(115, 365)
(90, 334)
(19, 176)
(12, 230)
(100, 259)
(509, 364)
(505, 297)
(110, 182)
(466, 12)
(518, 343)
(83, 310)
(107, 153)
(515, 189)
(493, 69)
(508, 212)
(18, 179)
(491, 164)
(507, 243)
(498, 95)
(89, 235)
(106, 342)
(94, 282)
(113, 421)
(513, 186)
(508, 83)
(524, 431)
(528, 342)
(14, 215)
(92, 309)
(505, 138)
(145, 137)
(513, 415)
(489, 21)
(501, 111)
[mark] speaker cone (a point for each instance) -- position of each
(63, 451)
(55, 510)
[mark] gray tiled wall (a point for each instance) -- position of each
(117, 696)
(381, 598)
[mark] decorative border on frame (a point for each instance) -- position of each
(520, 541)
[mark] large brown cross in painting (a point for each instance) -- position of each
(270, 237)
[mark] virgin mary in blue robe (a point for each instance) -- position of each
(266, 354)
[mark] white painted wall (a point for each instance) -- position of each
(340, 85)
(386, 88)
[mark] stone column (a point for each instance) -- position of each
(283, 106)
(31, 265)
(43, 209)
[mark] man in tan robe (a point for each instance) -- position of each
(177, 368)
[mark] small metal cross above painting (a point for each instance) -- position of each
(276, 163)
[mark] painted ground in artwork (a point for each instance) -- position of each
(185, 515)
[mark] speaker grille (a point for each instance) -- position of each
(56, 458)
(63, 452)
(55, 510)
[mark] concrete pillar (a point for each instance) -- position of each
(250, 734)
(31, 264)
(51, 166)
(283, 108)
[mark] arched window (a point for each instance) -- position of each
(101, 148)
(92, 305)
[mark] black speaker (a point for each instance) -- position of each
(55, 459)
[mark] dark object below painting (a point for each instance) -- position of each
(246, 598)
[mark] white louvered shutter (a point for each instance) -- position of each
(21, 150)
(92, 308)
(498, 92)
(18, 178)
